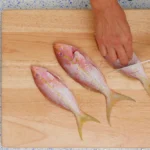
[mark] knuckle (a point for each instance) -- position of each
(116, 42)
(124, 40)
(118, 47)
(106, 42)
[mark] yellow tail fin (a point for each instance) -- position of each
(112, 100)
(146, 83)
(81, 119)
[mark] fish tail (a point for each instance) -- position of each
(81, 119)
(112, 100)
(146, 84)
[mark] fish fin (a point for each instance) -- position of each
(81, 119)
(146, 84)
(112, 100)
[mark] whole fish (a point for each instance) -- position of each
(84, 71)
(135, 70)
(55, 90)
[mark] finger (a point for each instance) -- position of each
(103, 50)
(101, 47)
(112, 56)
(122, 55)
(129, 50)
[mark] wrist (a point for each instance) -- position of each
(102, 5)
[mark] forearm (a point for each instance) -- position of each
(102, 5)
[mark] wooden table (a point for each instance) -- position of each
(29, 120)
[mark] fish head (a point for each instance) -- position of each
(64, 52)
(38, 72)
(41, 75)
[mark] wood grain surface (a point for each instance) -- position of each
(29, 120)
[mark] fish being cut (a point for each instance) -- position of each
(135, 70)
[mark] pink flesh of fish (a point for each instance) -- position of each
(53, 89)
(83, 70)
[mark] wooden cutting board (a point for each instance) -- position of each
(30, 120)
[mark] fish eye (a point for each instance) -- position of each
(60, 54)
(37, 75)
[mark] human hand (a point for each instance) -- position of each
(113, 33)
